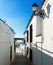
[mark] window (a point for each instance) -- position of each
(27, 35)
(31, 33)
(38, 26)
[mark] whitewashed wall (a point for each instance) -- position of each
(6, 40)
(12, 43)
(48, 34)
(33, 22)
(4, 53)
(3, 33)
(37, 29)
(43, 53)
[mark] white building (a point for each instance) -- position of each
(6, 44)
(40, 34)
(21, 49)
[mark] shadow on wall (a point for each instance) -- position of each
(41, 58)
(48, 10)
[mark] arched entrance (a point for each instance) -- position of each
(15, 40)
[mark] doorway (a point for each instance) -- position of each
(10, 53)
(30, 57)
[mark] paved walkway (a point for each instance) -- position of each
(21, 60)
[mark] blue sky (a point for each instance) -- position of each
(17, 13)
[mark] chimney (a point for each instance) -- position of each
(34, 7)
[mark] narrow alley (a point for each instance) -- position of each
(21, 60)
(26, 32)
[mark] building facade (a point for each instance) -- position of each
(39, 34)
(6, 44)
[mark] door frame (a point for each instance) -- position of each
(10, 53)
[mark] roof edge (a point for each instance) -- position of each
(33, 13)
(7, 25)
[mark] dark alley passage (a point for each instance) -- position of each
(21, 60)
